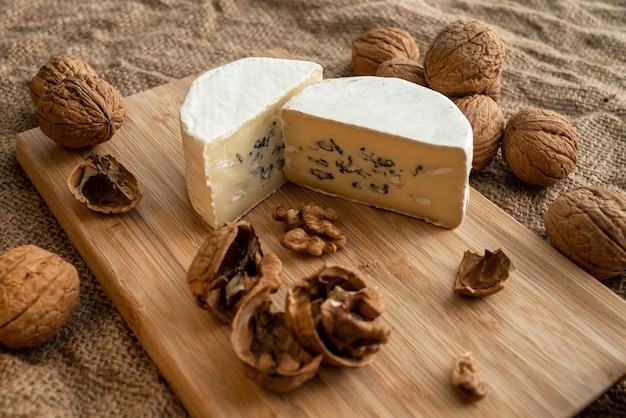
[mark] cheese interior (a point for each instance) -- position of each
(231, 133)
(383, 142)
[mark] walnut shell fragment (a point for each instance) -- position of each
(39, 292)
(466, 57)
(480, 276)
(104, 185)
(55, 70)
(540, 146)
(588, 225)
(269, 352)
(466, 378)
(81, 110)
(487, 121)
(404, 68)
(228, 265)
(376, 46)
(333, 312)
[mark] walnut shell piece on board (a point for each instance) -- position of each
(269, 352)
(81, 110)
(55, 70)
(372, 48)
(227, 266)
(487, 121)
(540, 146)
(335, 313)
(465, 57)
(104, 185)
(404, 68)
(588, 225)
(483, 275)
(39, 291)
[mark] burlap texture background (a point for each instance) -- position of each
(564, 55)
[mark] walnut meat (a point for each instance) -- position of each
(540, 146)
(333, 312)
(39, 291)
(228, 265)
(104, 185)
(466, 378)
(269, 352)
(404, 68)
(310, 228)
(55, 70)
(374, 47)
(80, 110)
(487, 121)
(588, 225)
(466, 57)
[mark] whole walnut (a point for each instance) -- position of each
(404, 68)
(55, 70)
(487, 121)
(540, 146)
(466, 57)
(588, 225)
(372, 48)
(38, 294)
(81, 110)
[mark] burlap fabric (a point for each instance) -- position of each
(564, 55)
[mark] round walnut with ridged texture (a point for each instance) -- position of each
(55, 70)
(540, 146)
(404, 68)
(39, 291)
(81, 110)
(588, 225)
(487, 121)
(372, 48)
(466, 57)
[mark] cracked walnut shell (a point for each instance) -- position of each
(104, 185)
(38, 294)
(269, 352)
(487, 121)
(466, 57)
(540, 146)
(588, 225)
(81, 110)
(335, 313)
(55, 70)
(228, 265)
(481, 276)
(376, 46)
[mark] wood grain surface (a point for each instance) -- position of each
(548, 344)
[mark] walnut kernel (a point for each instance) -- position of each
(80, 110)
(540, 146)
(466, 57)
(374, 47)
(588, 225)
(38, 294)
(466, 378)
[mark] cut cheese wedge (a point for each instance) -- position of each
(383, 142)
(231, 133)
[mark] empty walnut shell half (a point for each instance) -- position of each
(333, 312)
(269, 352)
(228, 265)
(480, 276)
(104, 185)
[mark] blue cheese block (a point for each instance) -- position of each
(231, 133)
(383, 142)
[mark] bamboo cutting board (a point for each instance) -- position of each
(548, 344)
